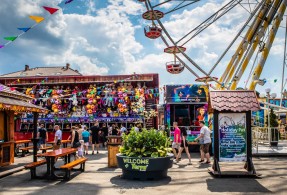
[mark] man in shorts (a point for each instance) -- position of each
(43, 136)
(58, 137)
(205, 135)
(86, 137)
(177, 139)
(95, 130)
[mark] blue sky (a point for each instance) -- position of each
(106, 37)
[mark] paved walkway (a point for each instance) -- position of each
(265, 149)
(183, 179)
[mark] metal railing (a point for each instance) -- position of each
(265, 135)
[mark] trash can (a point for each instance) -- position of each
(274, 137)
(114, 143)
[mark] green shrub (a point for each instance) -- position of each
(148, 143)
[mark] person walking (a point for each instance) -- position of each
(114, 130)
(43, 136)
(86, 137)
(105, 132)
(177, 139)
(136, 128)
(123, 129)
(80, 131)
(95, 130)
(75, 141)
(58, 137)
(205, 135)
(183, 145)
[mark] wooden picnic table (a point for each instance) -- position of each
(51, 156)
(18, 142)
(22, 142)
(64, 142)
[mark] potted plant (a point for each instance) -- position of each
(145, 155)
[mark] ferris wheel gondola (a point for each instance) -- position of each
(152, 31)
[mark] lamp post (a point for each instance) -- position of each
(268, 96)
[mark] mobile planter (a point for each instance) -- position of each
(145, 155)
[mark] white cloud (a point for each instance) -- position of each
(104, 41)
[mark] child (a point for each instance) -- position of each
(81, 149)
(86, 136)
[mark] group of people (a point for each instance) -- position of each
(180, 143)
(81, 136)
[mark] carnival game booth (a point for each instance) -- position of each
(186, 105)
(11, 103)
(232, 131)
(72, 98)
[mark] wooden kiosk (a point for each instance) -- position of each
(232, 130)
(12, 102)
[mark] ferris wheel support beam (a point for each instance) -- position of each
(253, 46)
(265, 52)
(247, 38)
(284, 64)
(235, 38)
(176, 56)
(169, 37)
(213, 18)
(177, 8)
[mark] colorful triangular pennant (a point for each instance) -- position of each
(37, 19)
(10, 38)
(24, 29)
(50, 9)
(68, 1)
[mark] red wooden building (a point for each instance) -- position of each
(73, 98)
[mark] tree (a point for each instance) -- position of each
(274, 131)
(273, 119)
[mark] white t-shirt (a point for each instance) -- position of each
(137, 129)
(59, 134)
(123, 129)
(206, 134)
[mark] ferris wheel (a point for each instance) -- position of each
(254, 39)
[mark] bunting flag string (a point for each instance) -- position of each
(24, 29)
(37, 19)
(10, 38)
(68, 1)
(50, 9)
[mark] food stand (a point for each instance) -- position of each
(11, 102)
(187, 105)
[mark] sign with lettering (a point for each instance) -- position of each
(232, 137)
(186, 93)
(138, 164)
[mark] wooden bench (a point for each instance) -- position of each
(44, 150)
(68, 167)
(32, 166)
(24, 150)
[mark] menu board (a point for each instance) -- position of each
(232, 137)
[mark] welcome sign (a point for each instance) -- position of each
(232, 137)
(136, 164)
